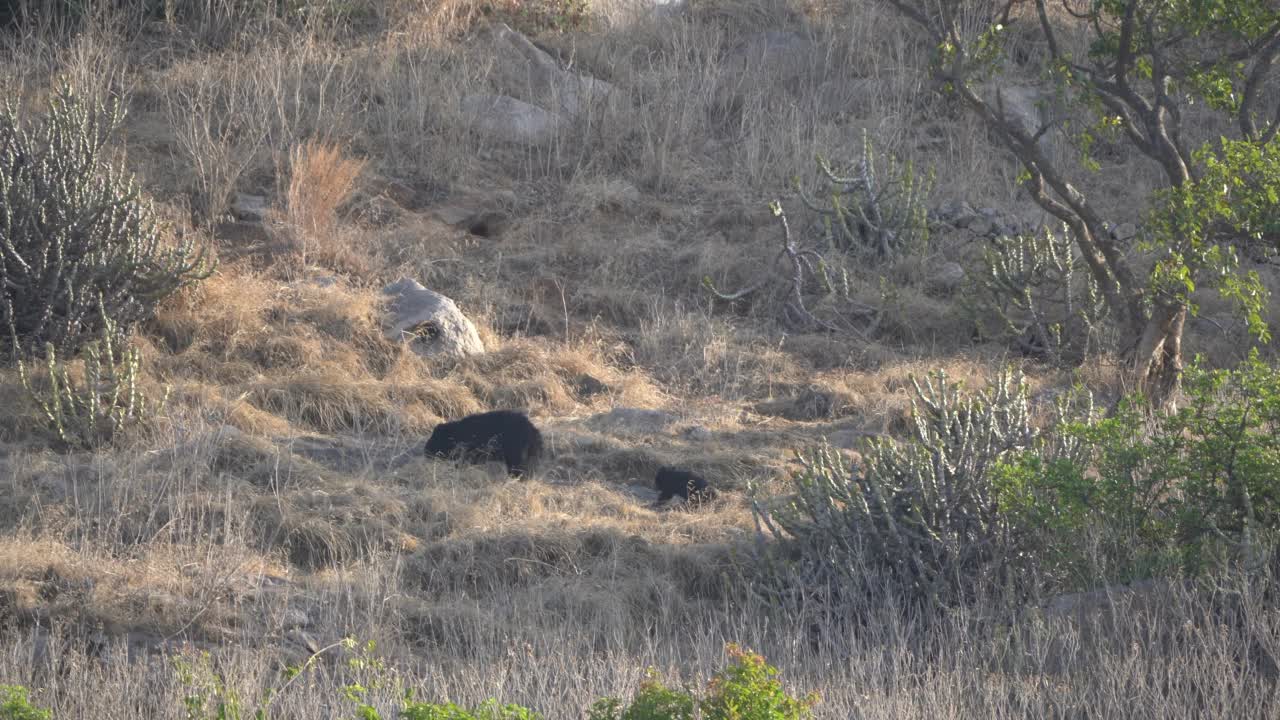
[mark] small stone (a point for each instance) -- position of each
(948, 278)
(1125, 231)
(633, 419)
(965, 219)
(588, 386)
(295, 618)
(697, 433)
(249, 207)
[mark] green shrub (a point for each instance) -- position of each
(15, 705)
(921, 512)
(746, 689)
(1182, 492)
(208, 697)
(1039, 290)
(77, 243)
(653, 701)
(104, 403)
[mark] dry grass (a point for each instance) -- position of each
(286, 480)
(321, 178)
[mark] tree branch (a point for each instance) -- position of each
(1258, 73)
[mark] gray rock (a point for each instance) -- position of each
(844, 96)
(947, 278)
(667, 8)
(1027, 106)
(784, 52)
(632, 419)
(295, 618)
(249, 207)
(697, 433)
(510, 120)
(430, 322)
(485, 214)
(1125, 231)
(958, 213)
(524, 71)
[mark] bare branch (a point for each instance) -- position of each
(1124, 54)
(912, 11)
(1258, 73)
(1047, 28)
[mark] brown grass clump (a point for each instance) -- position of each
(321, 178)
(528, 374)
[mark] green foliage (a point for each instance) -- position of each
(1036, 287)
(746, 689)
(1183, 492)
(207, 695)
(922, 511)
(96, 406)
(874, 215)
(653, 701)
(1181, 22)
(1197, 227)
(1147, 64)
(15, 705)
(976, 494)
(77, 244)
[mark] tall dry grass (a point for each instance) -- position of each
(545, 595)
(321, 178)
(284, 502)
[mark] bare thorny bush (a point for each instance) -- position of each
(867, 217)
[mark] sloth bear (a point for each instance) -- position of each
(505, 435)
(672, 481)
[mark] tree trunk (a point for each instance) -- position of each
(1157, 358)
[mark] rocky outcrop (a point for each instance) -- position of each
(431, 323)
(510, 120)
(534, 94)
(524, 71)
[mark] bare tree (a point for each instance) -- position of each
(1148, 60)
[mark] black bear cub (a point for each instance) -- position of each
(505, 435)
(689, 485)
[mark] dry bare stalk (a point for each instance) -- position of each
(803, 262)
(220, 127)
